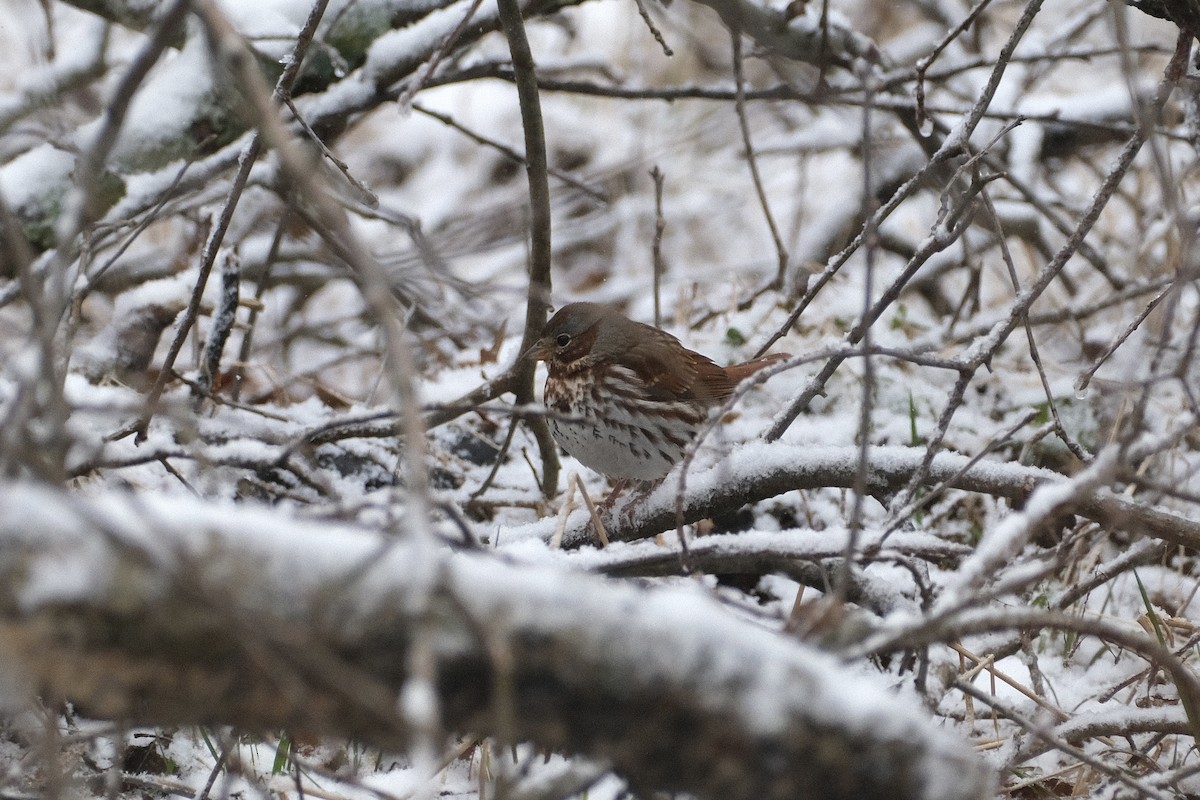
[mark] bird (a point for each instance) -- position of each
(627, 399)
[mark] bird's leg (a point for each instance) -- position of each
(597, 513)
(640, 496)
(624, 515)
(619, 486)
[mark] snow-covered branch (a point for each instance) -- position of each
(186, 109)
(759, 471)
(151, 611)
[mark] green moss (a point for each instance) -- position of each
(357, 29)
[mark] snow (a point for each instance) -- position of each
(1005, 541)
(174, 97)
(695, 639)
(278, 19)
(30, 179)
(240, 491)
(39, 86)
(166, 292)
(671, 617)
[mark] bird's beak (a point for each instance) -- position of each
(541, 351)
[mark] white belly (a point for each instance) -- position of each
(612, 451)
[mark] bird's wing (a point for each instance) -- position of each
(672, 372)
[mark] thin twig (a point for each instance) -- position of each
(508, 152)
(900, 517)
(419, 81)
(660, 224)
(245, 348)
(1076, 449)
(644, 13)
(739, 80)
(921, 67)
(867, 398)
(1085, 378)
(536, 167)
(365, 195)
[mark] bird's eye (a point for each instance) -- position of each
(563, 339)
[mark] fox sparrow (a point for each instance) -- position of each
(628, 398)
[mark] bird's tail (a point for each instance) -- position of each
(739, 372)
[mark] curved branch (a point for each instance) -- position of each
(763, 470)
